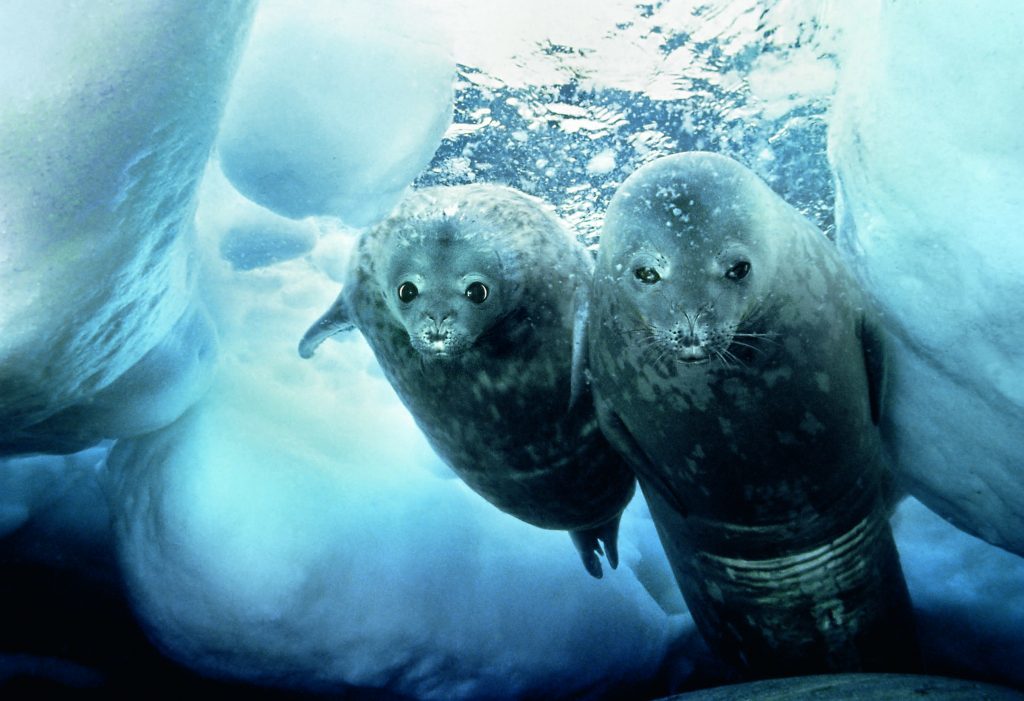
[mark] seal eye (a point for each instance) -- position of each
(738, 271)
(407, 292)
(646, 275)
(477, 292)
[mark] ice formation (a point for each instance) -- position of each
(99, 162)
(929, 158)
(292, 524)
(337, 108)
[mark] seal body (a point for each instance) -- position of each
(736, 365)
(473, 300)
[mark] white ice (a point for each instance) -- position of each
(335, 109)
(292, 527)
(929, 156)
(109, 113)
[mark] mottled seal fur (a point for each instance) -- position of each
(738, 368)
(473, 299)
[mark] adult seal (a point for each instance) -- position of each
(737, 366)
(473, 298)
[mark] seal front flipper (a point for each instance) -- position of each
(588, 542)
(577, 378)
(335, 320)
(622, 440)
(872, 339)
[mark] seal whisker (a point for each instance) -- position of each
(746, 345)
(749, 334)
(722, 359)
(725, 351)
(665, 352)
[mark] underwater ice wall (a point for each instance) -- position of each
(928, 153)
(109, 113)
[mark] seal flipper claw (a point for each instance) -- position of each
(600, 540)
(588, 547)
(335, 320)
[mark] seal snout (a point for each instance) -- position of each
(689, 342)
(435, 338)
(436, 335)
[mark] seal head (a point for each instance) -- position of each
(448, 289)
(691, 265)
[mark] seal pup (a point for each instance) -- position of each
(738, 368)
(473, 298)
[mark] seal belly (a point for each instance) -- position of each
(508, 432)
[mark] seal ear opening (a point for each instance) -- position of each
(335, 320)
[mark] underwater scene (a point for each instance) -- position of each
(518, 349)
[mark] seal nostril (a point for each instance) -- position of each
(684, 338)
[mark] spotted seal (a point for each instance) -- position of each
(473, 298)
(738, 367)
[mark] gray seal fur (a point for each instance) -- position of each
(737, 366)
(473, 299)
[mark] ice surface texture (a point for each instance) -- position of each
(109, 113)
(929, 159)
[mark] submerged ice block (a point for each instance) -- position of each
(290, 529)
(928, 153)
(336, 109)
(109, 111)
